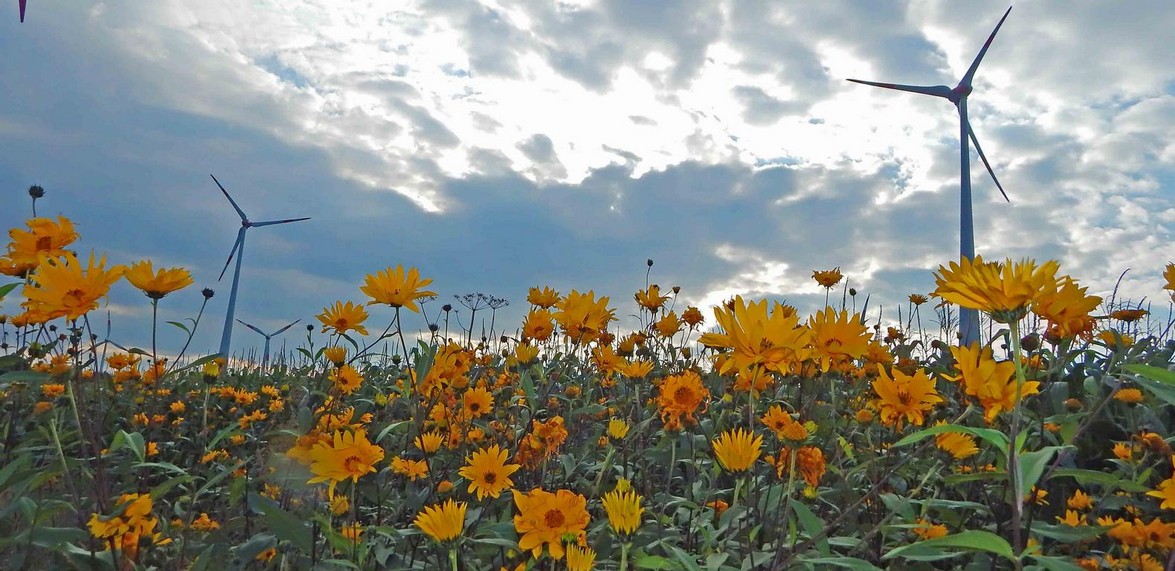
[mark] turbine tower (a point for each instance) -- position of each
(268, 337)
(238, 251)
(968, 318)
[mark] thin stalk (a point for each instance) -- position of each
(1017, 478)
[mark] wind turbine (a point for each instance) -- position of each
(238, 251)
(22, 6)
(268, 337)
(968, 318)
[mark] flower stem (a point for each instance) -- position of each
(1014, 473)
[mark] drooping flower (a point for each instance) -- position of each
(838, 337)
(349, 454)
(918, 299)
(488, 472)
(409, 468)
(992, 384)
(157, 284)
(442, 522)
(1128, 315)
(809, 461)
(737, 449)
(624, 511)
(343, 317)
(542, 442)
(1169, 275)
(582, 317)
(1002, 290)
(692, 316)
(783, 425)
(397, 289)
(904, 397)
(544, 518)
(1066, 308)
(43, 238)
(62, 287)
(773, 341)
(544, 297)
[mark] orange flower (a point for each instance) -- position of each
(756, 339)
(827, 278)
(904, 397)
(582, 317)
(61, 287)
(157, 284)
(838, 337)
(546, 518)
(680, 396)
(1066, 308)
(397, 289)
(545, 297)
(1003, 290)
(342, 318)
(538, 325)
(43, 238)
(992, 384)
(347, 455)
(651, 298)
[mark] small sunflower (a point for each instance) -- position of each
(624, 511)
(442, 522)
(343, 317)
(396, 288)
(488, 473)
(737, 449)
(157, 284)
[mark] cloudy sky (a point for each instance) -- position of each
(502, 145)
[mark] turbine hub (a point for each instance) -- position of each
(959, 92)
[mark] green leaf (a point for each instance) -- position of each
(1107, 479)
(1156, 381)
(653, 562)
(1068, 533)
(989, 435)
(4, 289)
(812, 525)
(1032, 464)
(132, 440)
(970, 540)
(30, 377)
(195, 364)
(181, 326)
(283, 524)
(1053, 564)
(844, 563)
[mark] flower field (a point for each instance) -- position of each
(744, 436)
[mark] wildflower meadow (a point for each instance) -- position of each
(743, 436)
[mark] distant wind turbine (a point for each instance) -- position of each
(238, 251)
(968, 318)
(22, 6)
(268, 337)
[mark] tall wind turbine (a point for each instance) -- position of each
(968, 318)
(238, 251)
(268, 337)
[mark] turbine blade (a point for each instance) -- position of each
(975, 64)
(978, 149)
(233, 252)
(272, 222)
(253, 328)
(935, 90)
(22, 7)
(278, 332)
(230, 199)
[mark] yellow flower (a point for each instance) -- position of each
(582, 317)
(904, 397)
(412, 469)
(918, 299)
(346, 379)
(351, 532)
(827, 278)
(348, 455)
(1165, 491)
(1072, 519)
(651, 298)
(429, 442)
(1003, 290)
(545, 518)
(958, 444)
(538, 325)
(1169, 275)
(1079, 501)
(668, 325)
(1128, 315)
(1066, 308)
(926, 530)
(636, 369)
(692, 316)
(580, 558)
(809, 461)
(1037, 496)
(157, 284)
(624, 511)
(342, 318)
(618, 428)
(992, 384)
(737, 449)
(1115, 340)
(545, 297)
(525, 353)
(394, 288)
(772, 341)
(838, 337)
(444, 521)
(61, 287)
(205, 524)
(680, 396)
(783, 425)
(43, 238)
(1128, 395)
(339, 504)
(336, 355)
(477, 402)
